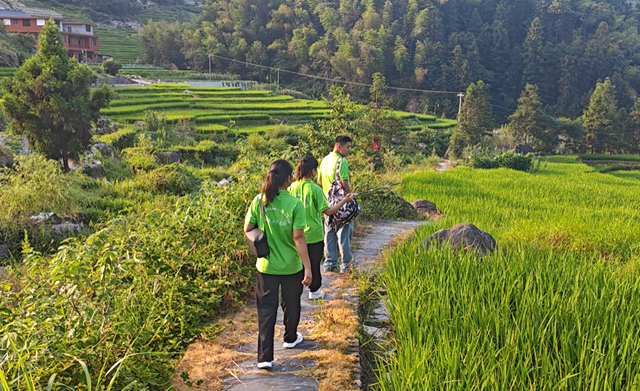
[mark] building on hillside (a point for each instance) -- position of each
(78, 37)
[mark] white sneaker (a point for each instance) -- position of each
(265, 365)
(317, 295)
(291, 345)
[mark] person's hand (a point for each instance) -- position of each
(348, 198)
(307, 277)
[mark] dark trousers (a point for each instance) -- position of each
(267, 288)
(316, 251)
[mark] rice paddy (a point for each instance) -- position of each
(554, 308)
(211, 108)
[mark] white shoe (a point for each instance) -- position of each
(317, 295)
(265, 365)
(291, 345)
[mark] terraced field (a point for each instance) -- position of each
(213, 108)
(118, 43)
(7, 72)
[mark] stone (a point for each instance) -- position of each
(94, 169)
(105, 125)
(463, 237)
(6, 157)
(4, 252)
(407, 211)
(103, 149)
(523, 149)
(47, 217)
(169, 157)
(139, 124)
(267, 382)
(279, 351)
(66, 228)
(282, 364)
(424, 206)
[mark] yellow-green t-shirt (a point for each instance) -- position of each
(284, 214)
(327, 171)
(315, 203)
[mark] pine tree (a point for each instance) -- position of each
(49, 100)
(529, 124)
(475, 121)
(600, 119)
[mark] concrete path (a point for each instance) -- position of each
(442, 166)
(287, 373)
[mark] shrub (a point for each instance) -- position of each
(111, 67)
(140, 158)
(123, 138)
(173, 179)
(509, 160)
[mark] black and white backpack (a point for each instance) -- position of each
(347, 212)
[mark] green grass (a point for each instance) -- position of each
(632, 175)
(555, 308)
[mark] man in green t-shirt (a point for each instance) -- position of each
(342, 236)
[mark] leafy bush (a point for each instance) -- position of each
(139, 285)
(140, 158)
(173, 178)
(123, 138)
(111, 67)
(207, 152)
(510, 160)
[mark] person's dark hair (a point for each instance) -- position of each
(279, 171)
(305, 166)
(342, 139)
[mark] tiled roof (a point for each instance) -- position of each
(13, 14)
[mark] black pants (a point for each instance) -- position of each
(267, 288)
(316, 251)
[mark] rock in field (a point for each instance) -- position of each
(169, 157)
(424, 206)
(463, 236)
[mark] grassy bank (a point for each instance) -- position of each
(554, 308)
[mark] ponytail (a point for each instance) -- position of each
(305, 166)
(279, 171)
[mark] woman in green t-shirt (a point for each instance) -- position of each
(287, 266)
(315, 205)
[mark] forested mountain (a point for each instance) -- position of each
(563, 46)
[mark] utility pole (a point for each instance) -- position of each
(209, 67)
(278, 86)
(460, 95)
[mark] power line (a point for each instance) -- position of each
(331, 80)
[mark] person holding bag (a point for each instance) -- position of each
(286, 267)
(315, 205)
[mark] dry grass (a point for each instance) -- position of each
(208, 360)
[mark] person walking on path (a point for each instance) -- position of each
(340, 236)
(287, 267)
(315, 205)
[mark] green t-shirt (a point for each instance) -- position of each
(327, 171)
(315, 203)
(284, 214)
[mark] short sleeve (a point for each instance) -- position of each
(320, 199)
(344, 170)
(252, 217)
(299, 216)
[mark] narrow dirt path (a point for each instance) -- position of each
(445, 165)
(328, 359)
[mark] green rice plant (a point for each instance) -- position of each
(123, 138)
(620, 158)
(554, 308)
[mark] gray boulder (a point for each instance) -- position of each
(105, 125)
(424, 206)
(46, 217)
(4, 251)
(6, 157)
(463, 236)
(94, 169)
(407, 211)
(66, 228)
(103, 148)
(169, 157)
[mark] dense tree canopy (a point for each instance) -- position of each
(562, 46)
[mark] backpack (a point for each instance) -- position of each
(347, 212)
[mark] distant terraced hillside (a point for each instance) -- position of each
(213, 109)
